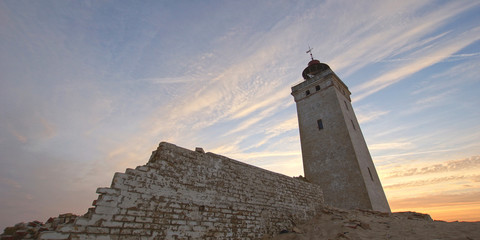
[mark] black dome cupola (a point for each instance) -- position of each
(314, 67)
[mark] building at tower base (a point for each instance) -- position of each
(334, 151)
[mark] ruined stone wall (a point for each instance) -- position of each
(182, 194)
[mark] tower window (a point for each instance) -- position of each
(371, 177)
(346, 105)
(353, 124)
(307, 92)
(317, 88)
(320, 124)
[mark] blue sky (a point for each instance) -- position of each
(89, 88)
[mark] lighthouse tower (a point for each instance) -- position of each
(335, 154)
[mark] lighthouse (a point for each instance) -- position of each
(335, 154)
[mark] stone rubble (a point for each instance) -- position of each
(32, 230)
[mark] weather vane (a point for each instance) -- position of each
(310, 51)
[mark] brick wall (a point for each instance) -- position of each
(183, 194)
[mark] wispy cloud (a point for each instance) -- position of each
(412, 153)
(34, 127)
(453, 57)
(255, 119)
(17, 135)
(291, 123)
(171, 80)
(271, 100)
(421, 183)
(432, 57)
(433, 99)
(431, 200)
(448, 166)
(258, 155)
(366, 114)
(423, 55)
(9, 182)
(390, 146)
(382, 37)
(430, 101)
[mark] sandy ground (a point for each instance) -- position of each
(357, 224)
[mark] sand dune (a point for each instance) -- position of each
(359, 224)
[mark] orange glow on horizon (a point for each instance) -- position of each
(464, 211)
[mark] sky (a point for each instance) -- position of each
(90, 88)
